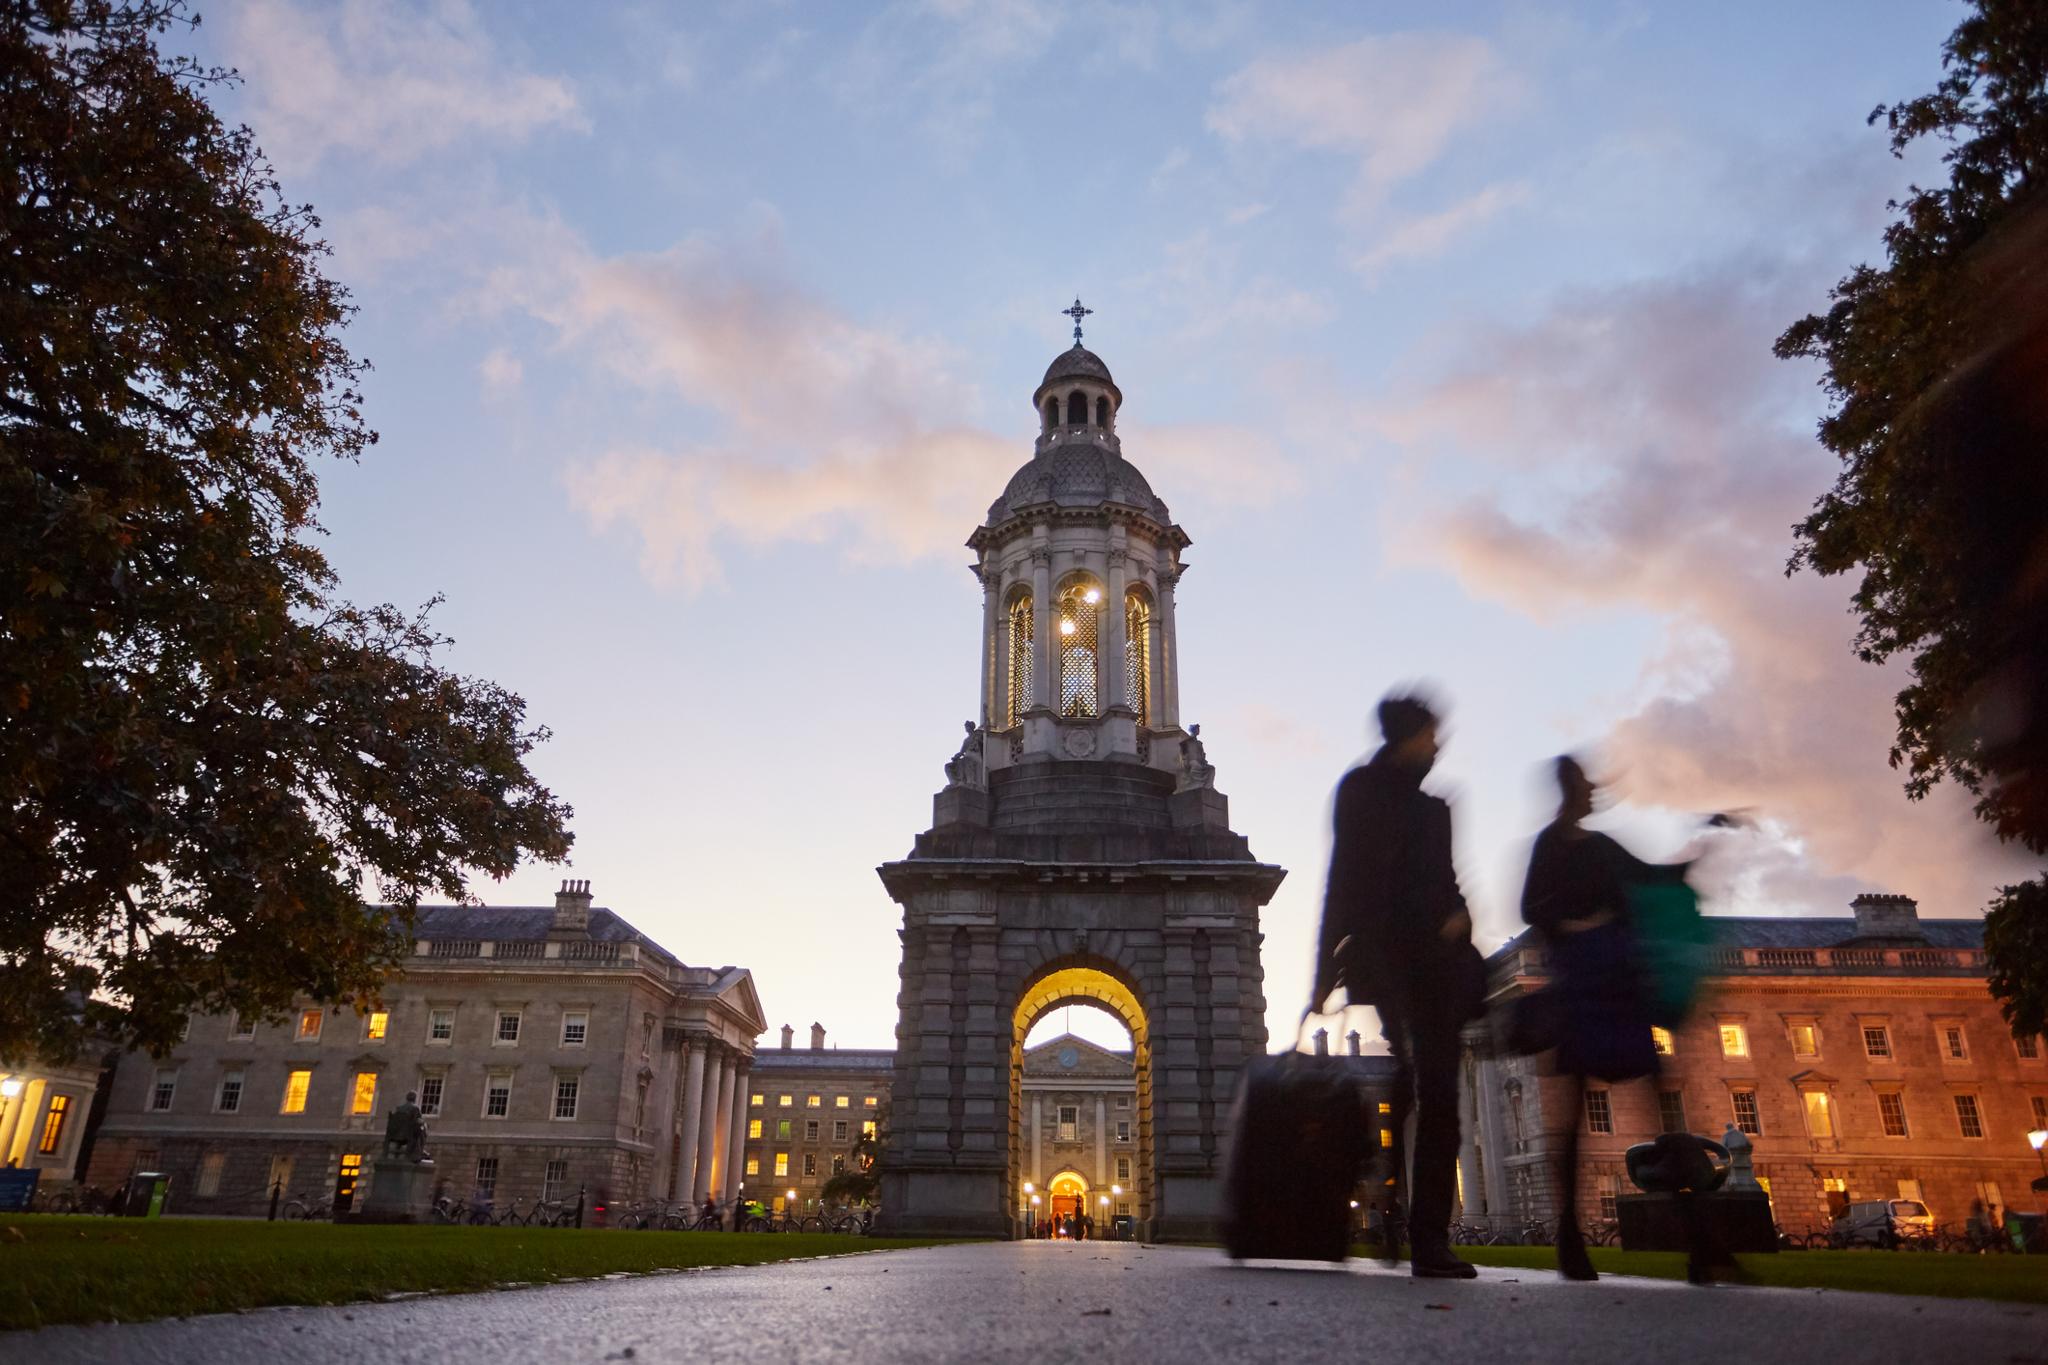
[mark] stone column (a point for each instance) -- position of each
(707, 1123)
(12, 1121)
(721, 1130)
(1043, 688)
(991, 641)
(1037, 1129)
(1101, 1140)
(734, 1173)
(1169, 653)
(693, 1117)
(1114, 682)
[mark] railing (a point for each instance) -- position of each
(1926, 957)
(455, 947)
(519, 948)
(591, 952)
(1725, 957)
(1859, 957)
(1785, 957)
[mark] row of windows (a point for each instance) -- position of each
(506, 1026)
(360, 1096)
(814, 1101)
(785, 1129)
(1951, 1041)
(808, 1166)
(1077, 668)
(1819, 1106)
(1067, 1123)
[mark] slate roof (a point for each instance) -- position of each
(1078, 473)
(510, 923)
(1076, 362)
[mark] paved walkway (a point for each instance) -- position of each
(1043, 1303)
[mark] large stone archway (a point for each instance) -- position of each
(1079, 981)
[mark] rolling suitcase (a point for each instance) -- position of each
(1301, 1136)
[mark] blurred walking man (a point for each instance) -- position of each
(1396, 935)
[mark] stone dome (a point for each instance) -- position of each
(1080, 473)
(1076, 362)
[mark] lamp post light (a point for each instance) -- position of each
(2038, 1139)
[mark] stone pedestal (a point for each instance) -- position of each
(401, 1191)
(1738, 1220)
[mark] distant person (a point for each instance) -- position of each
(1576, 899)
(1396, 935)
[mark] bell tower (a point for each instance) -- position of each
(1080, 851)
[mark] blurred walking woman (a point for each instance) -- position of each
(1577, 898)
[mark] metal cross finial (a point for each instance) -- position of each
(1077, 312)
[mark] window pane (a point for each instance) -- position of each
(1968, 1119)
(1660, 1038)
(1805, 1041)
(1671, 1110)
(53, 1124)
(1746, 1117)
(1734, 1042)
(230, 1093)
(575, 1028)
(1891, 1112)
(364, 1099)
(1820, 1121)
(375, 1024)
(508, 1027)
(1877, 1042)
(441, 1025)
(497, 1097)
(753, 1128)
(565, 1097)
(309, 1024)
(430, 1095)
(1599, 1111)
(295, 1087)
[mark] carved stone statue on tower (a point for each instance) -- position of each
(1195, 770)
(963, 769)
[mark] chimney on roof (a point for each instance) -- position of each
(1322, 1042)
(1887, 917)
(572, 909)
(817, 1037)
(1351, 1042)
(788, 1037)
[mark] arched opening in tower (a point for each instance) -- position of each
(1077, 409)
(1080, 1159)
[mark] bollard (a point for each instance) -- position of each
(579, 1206)
(276, 1193)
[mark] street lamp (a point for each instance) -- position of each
(11, 1087)
(2039, 1139)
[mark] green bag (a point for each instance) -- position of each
(1673, 937)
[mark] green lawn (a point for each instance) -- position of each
(69, 1269)
(2020, 1279)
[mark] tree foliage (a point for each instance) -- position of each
(206, 756)
(861, 1181)
(2016, 942)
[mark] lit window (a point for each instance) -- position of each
(1877, 1042)
(1805, 1040)
(1746, 1116)
(1891, 1112)
(440, 1025)
(1820, 1118)
(1734, 1041)
(814, 1102)
(575, 1028)
(363, 1099)
(1599, 1112)
(1953, 1045)
(782, 1163)
(785, 1101)
(163, 1090)
(430, 1095)
(555, 1179)
(869, 1102)
(498, 1095)
(753, 1128)
(753, 1165)
(1968, 1118)
(1671, 1110)
(840, 1102)
(229, 1098)
(1138, 655)
(239, 1027)
(374, 1024)
(508, 1026)
(1021, 655)
(867, 1127)
(295, 1087)
(210, 1167)
(486, 1177)
(309, 1025)
(565, 1096)
(53, 1124)
(2028, 1046)
(1079, 612)
(757, 1101)
(785, 1128)
(1660, 1038)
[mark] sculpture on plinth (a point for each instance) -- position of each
(405, 1131)
(1195, 769)
(964, 768)
(1741, 1167)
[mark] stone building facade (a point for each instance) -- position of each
(554, 1049)
(806, 1108)
(1080, 1132)
(1864, 1057)
(46, 1110)
(1080, 851)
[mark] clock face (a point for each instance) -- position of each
(1069, 1058)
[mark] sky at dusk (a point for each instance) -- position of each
(704, 335)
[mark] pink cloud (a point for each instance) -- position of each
(1643, 450)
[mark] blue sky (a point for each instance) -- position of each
(704, 334)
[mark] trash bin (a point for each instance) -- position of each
(2029, 1231)
(145, 1195)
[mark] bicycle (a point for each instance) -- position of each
(309, 1208)
(1604, 1232)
